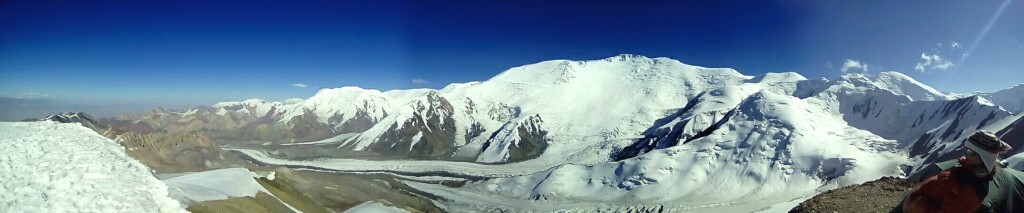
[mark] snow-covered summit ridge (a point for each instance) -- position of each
(562, 71)
(903, 84)
(1011, 99)
(896, 83)
(553, 72)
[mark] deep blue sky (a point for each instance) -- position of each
(99, 54)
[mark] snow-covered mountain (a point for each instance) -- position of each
(659, 101)
(767, 146)
(1011, 99)
(630, 129)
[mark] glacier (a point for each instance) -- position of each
(622, 133)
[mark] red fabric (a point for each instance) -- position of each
(944, 192)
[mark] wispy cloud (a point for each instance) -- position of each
(419, 81)
(853, 65)
(299, 85)
(932, 62)
(26, 95)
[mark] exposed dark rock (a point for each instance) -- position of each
(75, 117)
(661, 136)
(531, 142)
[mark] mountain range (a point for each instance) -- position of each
(627, 130)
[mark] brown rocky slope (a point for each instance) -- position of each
(880, 195)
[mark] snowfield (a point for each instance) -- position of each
(54, 167)
(215, 185)
(374, 207)
(773, 147)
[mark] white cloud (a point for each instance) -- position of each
(955, 45)
(299, 85)
(932, 62)
(853, 65)
(419, 81)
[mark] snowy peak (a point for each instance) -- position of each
(423, 128)
(896, 83)
(625, 96)
(622, 67)
(904, 85)
(789, 83)
(433, 105)
(340, 106)
(778, 77)
(237, 104)
(1011, 99)
(942, 126)
(346, 97)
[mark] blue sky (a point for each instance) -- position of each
(113, 56)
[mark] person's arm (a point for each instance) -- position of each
(918, 200)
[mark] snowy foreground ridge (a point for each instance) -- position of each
(54, 167)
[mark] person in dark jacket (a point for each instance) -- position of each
(977, 182)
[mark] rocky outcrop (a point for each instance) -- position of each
(517, 140)
(879, 195)
(75, 117)
(178, 152)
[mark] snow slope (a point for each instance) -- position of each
(1011, 99)
(53, 167)
(374, 207)
(773, 145)
(215, 185)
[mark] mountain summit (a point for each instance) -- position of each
(627, 129)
